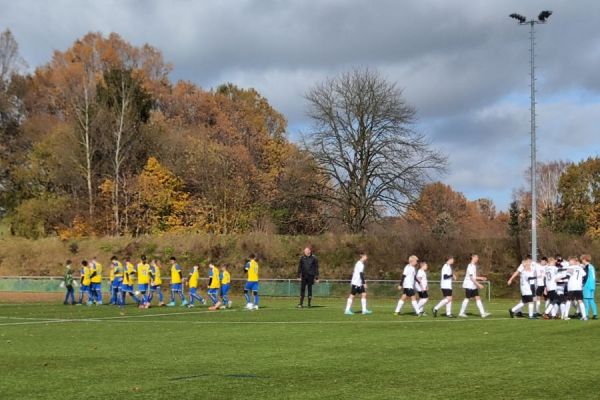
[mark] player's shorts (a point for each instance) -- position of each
(528, 298)
(308, 280)
(575, 295)
(539, 291)
(143, 287)
(470, 293)
(193, 290)
(354, 290)
(423, 294)
(126, 288)
(560, 298)
(251, 286)
(176, 287)
(155, 288)
(85, 288)
(446, 292)
(116, 285)
(96, 286)
(213, 291)
(409, 292)
(552, 296)
(225, 289)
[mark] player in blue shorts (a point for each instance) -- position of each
(225, 285)
(176, 283)
(116, 274)
(252, 284)
(84, 280)
(214, 286)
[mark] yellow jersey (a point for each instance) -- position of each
(213, 274)
(155, 275)
(111, 274)
(85, 274)
(117, 270)
(176, 273)
(96, 267)
(193, 279)
(143, 273)
(225, 278)
(252, 269)
(128, 273)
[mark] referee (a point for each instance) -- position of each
(308, 272)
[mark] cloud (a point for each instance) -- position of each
(462, 64)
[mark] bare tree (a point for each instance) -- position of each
(10, 60)
(363, 140)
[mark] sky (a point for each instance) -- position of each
(464, 65)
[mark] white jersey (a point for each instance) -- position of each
(576, 274)
(561, 279)
(446, 283)
(470, 275)
(540, 274)
(527, 279)
(359, 268)
(422, 278)
(409, 277)
(550, 273)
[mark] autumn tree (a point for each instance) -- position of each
(363, 141)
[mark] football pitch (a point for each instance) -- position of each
(279, 352)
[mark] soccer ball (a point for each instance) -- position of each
(137, 293)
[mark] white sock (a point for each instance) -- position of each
(441, 304)
(363, 302)
(530, 305)
(422, 303)
(480, 306)
(518, 307)
(554, 310)
(348, 304)
(566, 309)
(537, 306)
(415, 306)
(399, 306)
(463, 308)
(582, 310)
(548, 307)
(547, 303)
(449, 308)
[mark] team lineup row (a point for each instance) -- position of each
(559, 282)
(123, 276)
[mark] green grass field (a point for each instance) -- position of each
(279, 352)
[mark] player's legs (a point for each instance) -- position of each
(310, 287)
(212, 294)
(247, 289)
(302, 291)
(582, 310)
(256, 298)
(415, 304)
(349, 304)
(363, 302)
(480, 306)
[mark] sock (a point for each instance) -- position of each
(548, 307)
(363, 303)
(256, 299)
(160, 296)
(247, 295)
(517, 307)
(463, 308)
(172, 296)
(301, 300)
(441, 304)
(565, 309)
(309, 300)
(537, 306)
(399, 306)
(422, 303)
(348, 304)
(582, 310)
(480, 306)
(530, 306)
(449, 308)
(547, 303)
(415, 306)
(554, 310)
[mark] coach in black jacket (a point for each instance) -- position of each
(308, 272)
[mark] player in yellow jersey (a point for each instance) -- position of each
(252, 284)
(214, 286)
(128, 281)
(116, 279)
(225, 285)
(143, 278)
(96, 281)
(176, 283)
(85, 282)
(155, 282)
(192, 282)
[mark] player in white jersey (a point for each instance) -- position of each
(561, 278)
(527, 278)
(539, 270)
(358, 286)
(422, 287)
(550, 282)
(408, 285)
(471, 285)
(576, 274)
(447, 275)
